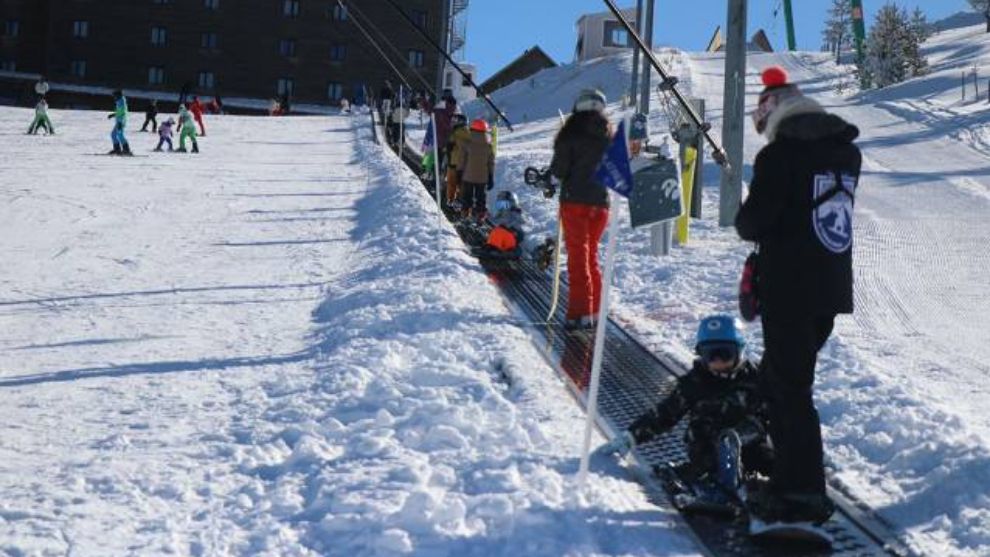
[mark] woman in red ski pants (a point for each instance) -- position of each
(577, 152)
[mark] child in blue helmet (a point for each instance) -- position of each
(727, 413)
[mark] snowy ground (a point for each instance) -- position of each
(903, 382)
(269, 349)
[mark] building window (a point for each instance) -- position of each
(80, 29)
(211, 4)
(161, 1)
(11, 28)
(615, 35)
(416, 58)
(159, 36)
(8, 66)
(287, 47)
(335, 91)
(206, 80)
(290, 8)
(419, 16)
(285, 86)
(78, 68)
(338, 13)
(208, 40)
(156, 75)
(338, 52)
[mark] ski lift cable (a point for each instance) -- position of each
(718, 153)
(352, 7)
(457, 67)
(374, 43)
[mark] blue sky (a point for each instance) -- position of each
(500, 30)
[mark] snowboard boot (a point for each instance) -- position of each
(195, 148)
(116, 149)
(583, 323)
(180, 150)
(126, 150)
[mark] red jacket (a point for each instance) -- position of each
(196, 108)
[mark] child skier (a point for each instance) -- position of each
(476, 171)
(119, 115)
(150, 117)
(187, 129)
(165, 134)
(728, 423)
(458, 138)
(41, 119)
(506, 237)
(197, 111)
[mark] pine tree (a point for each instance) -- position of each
(919, 32)
(982, 6)
(838, 28)
(893, 48)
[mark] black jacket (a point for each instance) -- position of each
(576, 157)
(713, 402)
(805, 260)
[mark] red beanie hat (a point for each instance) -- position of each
(774, 76)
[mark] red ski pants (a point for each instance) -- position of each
(583, 229)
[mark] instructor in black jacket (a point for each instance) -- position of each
(799, 211)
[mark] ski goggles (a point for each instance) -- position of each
(724, 351)
(503, 205)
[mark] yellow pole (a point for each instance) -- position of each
(687, 183)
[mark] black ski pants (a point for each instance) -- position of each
(150, 119)
(474, 197)
(791, 348)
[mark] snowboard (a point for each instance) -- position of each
(487, 252)
(799, 532)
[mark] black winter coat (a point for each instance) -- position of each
(576, 157)
(714, 404)
(805, 259)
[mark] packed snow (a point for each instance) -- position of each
(275, 347)
(272, 348)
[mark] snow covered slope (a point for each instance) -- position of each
(270, 349)
(903, 383)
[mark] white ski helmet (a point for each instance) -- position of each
(590, 99)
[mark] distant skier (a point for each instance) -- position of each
(151, 117)
(196, 108)
(165, 134)
(805, 271)
(41, 119)
(459, 136)
(345, 106)
(476, 171)
(727, 412)
(187, 129)
(119, 116)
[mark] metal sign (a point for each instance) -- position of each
(656, 195)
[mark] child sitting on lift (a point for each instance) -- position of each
(506, 236)
(727, 433)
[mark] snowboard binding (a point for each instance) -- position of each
(540, 179)
(543, 254)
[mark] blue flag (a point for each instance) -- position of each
(428, 140)
(614, 170)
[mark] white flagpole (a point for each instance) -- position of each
(436, 169)
(596, 362)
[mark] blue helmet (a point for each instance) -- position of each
(721, 329)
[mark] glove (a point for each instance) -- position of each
(489, 186)
(620, 445)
